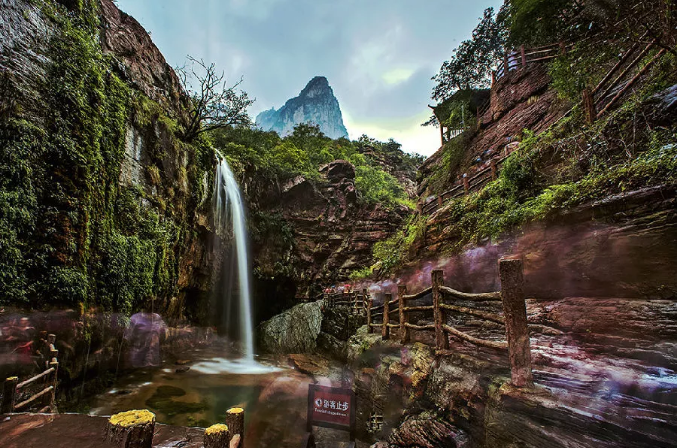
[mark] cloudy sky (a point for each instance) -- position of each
(378, 55)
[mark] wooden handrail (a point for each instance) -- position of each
(34, 397)
(487, 296)
(483, 314)
(542, 58)
(514, 317)
(408, 309)
(474, 340)
(420, 327)
(419, 294)
(35, 378)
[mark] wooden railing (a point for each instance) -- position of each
(513, 317)
(43, 400)
(356, 300)
(466, 184)
(522, 57)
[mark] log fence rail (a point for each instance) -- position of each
(43, 400)
(513, 318)
(356, 300)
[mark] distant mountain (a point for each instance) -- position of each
(316, 104)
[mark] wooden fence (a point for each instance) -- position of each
(522, 57)
(514, 317)
(43, 400)
(465, 185)
(356, 300)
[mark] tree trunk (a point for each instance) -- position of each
(131, 429)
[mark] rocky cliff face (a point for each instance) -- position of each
(113, 205)
(321, 232)
(315, 104)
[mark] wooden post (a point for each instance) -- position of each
(235, 441)
(440, 202)
(589, 106)
(493, 77)
(385, 331)
(437, 281)
(524, 56)
(217, 436)
(52, 400)
(235, 422)
(370, 303)
(8, 393)
(131, 429)
(516, 328)
(404, 331)
(494, 170)
(365, 298)
(466, 184)
(562, 48)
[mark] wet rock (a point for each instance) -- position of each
(294, 331)
(182, 362)
(182, 369)
(309, 364)
(428, 430)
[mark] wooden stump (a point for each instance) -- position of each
(217, 436)
(235, 421)
(8, 395)
(131, 429)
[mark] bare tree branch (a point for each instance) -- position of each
(213, 104)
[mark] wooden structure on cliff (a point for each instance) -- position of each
(356, 300)
(43, 400)
(514, 317)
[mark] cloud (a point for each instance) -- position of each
(397, 75)
(405, 130)
(378, 55)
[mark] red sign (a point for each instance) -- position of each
(331, 407)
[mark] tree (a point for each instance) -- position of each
(213, 105)
(540, 22)
(471, 62)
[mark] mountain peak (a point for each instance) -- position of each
(316, 87)
(315, 104)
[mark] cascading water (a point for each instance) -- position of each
(229, 215)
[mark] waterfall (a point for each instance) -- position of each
(229, 215)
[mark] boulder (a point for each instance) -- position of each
(294, 331)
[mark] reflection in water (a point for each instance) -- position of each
(145, 334)
(274, 395)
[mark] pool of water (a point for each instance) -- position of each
(273, 394)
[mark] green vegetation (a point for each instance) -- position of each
(618, 153)
(302, 153)
(69, 233)
(391, 253)
(471, 62)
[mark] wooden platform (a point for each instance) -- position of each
(81, 431)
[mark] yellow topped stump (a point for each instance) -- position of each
(131, 429)
(217, 436)
(235, 421)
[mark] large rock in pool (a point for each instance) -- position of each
(294, 331)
